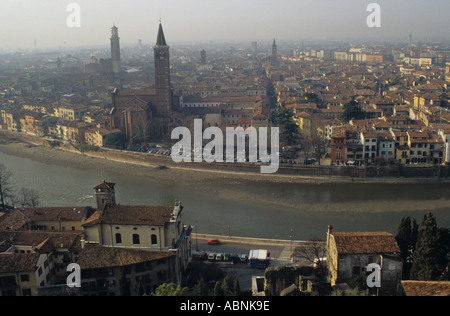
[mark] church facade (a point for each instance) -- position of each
(148, 114)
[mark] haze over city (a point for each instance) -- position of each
(43, 23)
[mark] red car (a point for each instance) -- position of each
(214, 242)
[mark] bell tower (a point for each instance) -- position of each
(115, 49)
(105, 194)
(274, 52)
(162, 74)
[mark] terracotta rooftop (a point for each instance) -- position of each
(43, 241)
(55, 213)
(132, 215)
(426, 288)
(365, 242)
(24, 262)
(95, 257)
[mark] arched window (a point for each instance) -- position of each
(136, 239)
(154, 240)
(118, 238)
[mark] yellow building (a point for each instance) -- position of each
(23, 269)
(70, 112)
(303, 121)
(402, 149)
(148, 228)
(54, 218)
(96, 137)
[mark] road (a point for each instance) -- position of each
(279, 255)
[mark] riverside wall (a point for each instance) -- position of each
(441, 172)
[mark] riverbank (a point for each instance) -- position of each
(226, 203)
(163, 169)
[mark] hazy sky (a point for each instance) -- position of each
(24, 21)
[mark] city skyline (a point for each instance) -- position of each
(28, 24)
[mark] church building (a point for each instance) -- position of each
(148, 114)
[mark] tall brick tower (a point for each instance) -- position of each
(162, 74)
(115, 49)
(274, 52)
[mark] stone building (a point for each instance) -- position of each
(149, 244)
(349, 254)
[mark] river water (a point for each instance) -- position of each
(263, 210)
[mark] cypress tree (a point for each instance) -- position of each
(404, 237)
(228, 286)
(218, 289)
(237, 287)
(426, 256)
(200, 289)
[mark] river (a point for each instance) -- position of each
(263, 210)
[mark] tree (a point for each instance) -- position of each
(237, 287)
(200, 289)
(227, 286)
(353, 111)
(28, 197)
(427, 256)
(406, 239)
(318, 144)
(170, 289)
(288, 128)
(115, 140)
(218, 289)
(5, 185)
(314, 252)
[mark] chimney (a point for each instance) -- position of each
(330, 229)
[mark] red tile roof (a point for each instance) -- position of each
(132, 215)
(426, 288)
(95, 257)
(365, 243)
(24, 262)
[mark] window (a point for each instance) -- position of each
(154, 240)
(24, 278)
(118, 238)
(26, 292)
(136, 239)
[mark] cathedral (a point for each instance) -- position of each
(148, 114)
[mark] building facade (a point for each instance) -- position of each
(350, 253)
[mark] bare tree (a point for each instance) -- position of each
(306, 147)
(28, 197)
(318, 144)
(5, 185)
(314, 253)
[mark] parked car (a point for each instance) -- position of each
(214, 242)
(244, 257)
(219, 257)
(234, 257)
(212, 256)
(200, 256)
